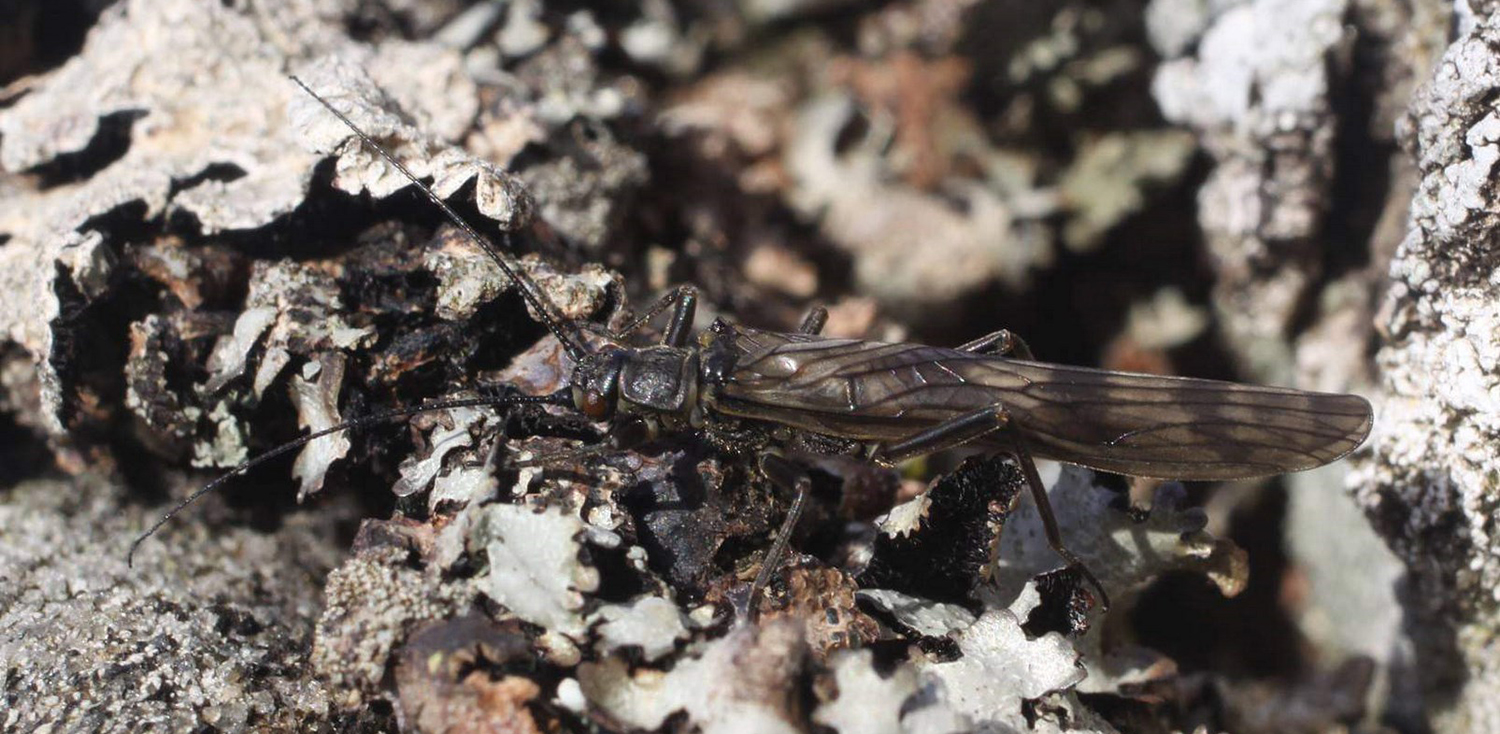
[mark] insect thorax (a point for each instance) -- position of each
(660, 379)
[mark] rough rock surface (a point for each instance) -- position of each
(197, 262)
(1257, 89)
(212, 629)
(1430, 485)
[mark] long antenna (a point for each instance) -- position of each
(561, 397)
(533, 295)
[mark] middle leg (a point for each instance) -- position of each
(685, 303)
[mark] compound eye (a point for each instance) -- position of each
(594, 405)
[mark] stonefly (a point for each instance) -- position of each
(756, 392)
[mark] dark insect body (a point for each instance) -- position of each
(895, 401)
(1143, 425)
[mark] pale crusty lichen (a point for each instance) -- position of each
(344, 81)
(536, 568)
(1125, 552)
(1001, 666)
(538, 87)
(452, 430)
(202, 88)
(316, 394)
(865, 700)
(467, 279)
(652, 624)
(709, 685)
(1257, 89)
(849, 189)
(1430, 485)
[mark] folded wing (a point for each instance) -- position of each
(1179, 428)
(1143, 425)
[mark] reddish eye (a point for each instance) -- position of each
(594, 405)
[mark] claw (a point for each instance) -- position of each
(1093, 581)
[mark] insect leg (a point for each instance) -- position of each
(686, 300)
(955, 431)
(974, 425)
(786, 474)
(680, 327)
(815, 321)
(1049, 520)
(999, 343)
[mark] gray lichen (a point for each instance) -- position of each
(963, 247)
(1430, 484)
(467, 281)
(1257, 89)
(865, 700)
(652, 624)
(316, 393)
(497, 194)
(259, 271)
(1000, 667)
(708, 686)
(1124, 552)
(452, 430)
(535, 569)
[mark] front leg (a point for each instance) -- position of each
(685, 299)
